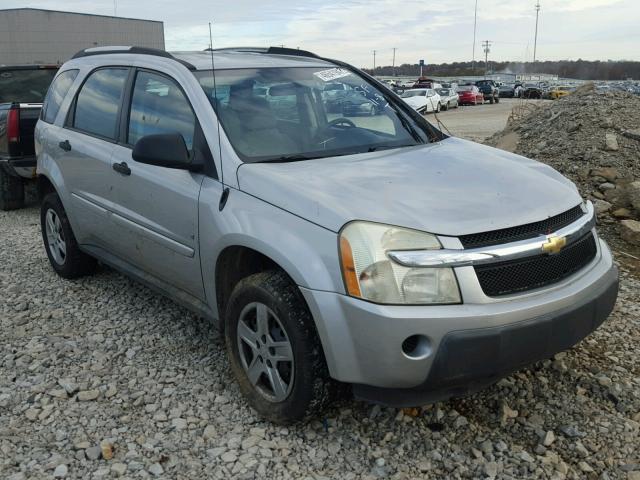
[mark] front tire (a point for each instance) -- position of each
(274, 350)
(497, 99)
(438, 107)
(60, 242)
(11, 191)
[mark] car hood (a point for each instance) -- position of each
(453, 187)
(415, 101)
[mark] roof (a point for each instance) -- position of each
(76, 13)
(222, 59)
(228, 59)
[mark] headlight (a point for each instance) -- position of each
(371, 275)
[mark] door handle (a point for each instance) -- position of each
(122, 168)
(66, 146)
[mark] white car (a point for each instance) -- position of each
(448, 97)
(423, 100)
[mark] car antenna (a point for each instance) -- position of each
(225, 190)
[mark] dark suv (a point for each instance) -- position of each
(489, 89)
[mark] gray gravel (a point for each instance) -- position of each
(102, 378)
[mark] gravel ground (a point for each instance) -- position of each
(480, 121)
(101, 378)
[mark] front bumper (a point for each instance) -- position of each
(469, 345)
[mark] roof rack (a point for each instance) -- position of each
(88, 52)
(296, 52)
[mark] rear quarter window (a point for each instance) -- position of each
(57, 91)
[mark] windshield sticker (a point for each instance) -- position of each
(332, 74)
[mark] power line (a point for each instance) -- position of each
(535, 41)
(486, 44)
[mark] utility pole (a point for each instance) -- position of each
(535, 41)
(394, 62)
(486, 44)
(475, 22)
(374, 62)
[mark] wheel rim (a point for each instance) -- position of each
(265, 352)
(55, 237)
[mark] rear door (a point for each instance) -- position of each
(156, 206)
(83, 150)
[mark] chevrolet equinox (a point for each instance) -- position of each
(332, 245)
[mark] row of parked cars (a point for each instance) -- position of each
(428, 95)
(629, 86)
(350, 248)
(535, 90)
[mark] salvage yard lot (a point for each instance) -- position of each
(480, 121)
(105, 360)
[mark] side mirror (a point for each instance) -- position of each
(164, 150)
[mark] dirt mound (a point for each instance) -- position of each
(592, 138)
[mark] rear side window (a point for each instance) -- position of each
(159, 106)
(98, 102)
(56, 94)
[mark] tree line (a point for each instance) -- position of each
(578, 69)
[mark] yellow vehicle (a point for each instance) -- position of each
(559, 92)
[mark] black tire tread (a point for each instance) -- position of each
(322, 389)
(77, 263)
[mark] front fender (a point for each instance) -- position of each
(307, 252)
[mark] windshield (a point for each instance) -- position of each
(443, 91)
(465, 88)
(25, 85)
(414, 93)
(306, 112)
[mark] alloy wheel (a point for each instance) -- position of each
(55, 237)
(265, 352)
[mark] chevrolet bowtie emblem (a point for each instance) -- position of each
(554, 244)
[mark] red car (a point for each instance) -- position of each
(470, 95)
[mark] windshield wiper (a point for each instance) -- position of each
(289, 158)
(387, 147)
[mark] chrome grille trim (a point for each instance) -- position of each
(495, 253)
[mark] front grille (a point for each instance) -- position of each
(522, 232)
(513, 276)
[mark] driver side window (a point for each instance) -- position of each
(159, 106)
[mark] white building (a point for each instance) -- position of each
(29, 35)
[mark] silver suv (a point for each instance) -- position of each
(366, 249)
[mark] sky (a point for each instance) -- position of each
(351, 30)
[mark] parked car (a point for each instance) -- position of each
(357, 102)
(470, 95)
(560, 91)
(451, 85)
(424, 82)
(507, 90)
(334, 95)
(489, 90)
(531, 90)
(423, 100)
(273, 227)
(22, 90)
(448, 98)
